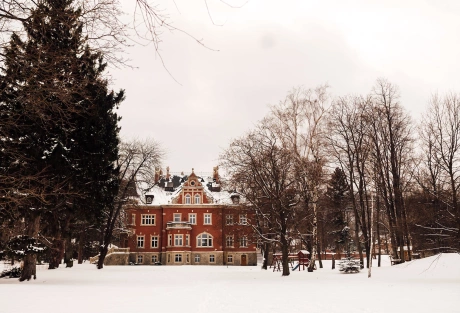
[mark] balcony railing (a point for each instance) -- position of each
(181, 225)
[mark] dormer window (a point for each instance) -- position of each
(197, 199)
(235, 198)
(188, 199)
(192, 183)
(149, 199)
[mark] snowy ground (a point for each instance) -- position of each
(426, 285)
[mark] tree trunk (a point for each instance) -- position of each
(285, 255)
(57, 253)
(81, 245)
(314, 243)
(68, 255)
(319, 257)
(378, 230)
(265, 256)
(102, 254)
(30, 260)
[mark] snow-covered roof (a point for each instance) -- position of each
(165, 191)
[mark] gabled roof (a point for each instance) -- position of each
(171, 190)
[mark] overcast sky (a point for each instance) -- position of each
(265, 48)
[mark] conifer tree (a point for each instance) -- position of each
(59, 133)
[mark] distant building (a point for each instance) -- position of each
(189, 220)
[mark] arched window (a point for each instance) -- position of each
(197, 199)
(204, 240)
(188, 199)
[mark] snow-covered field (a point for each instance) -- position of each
(426, 285)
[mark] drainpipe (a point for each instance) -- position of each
(161, 236)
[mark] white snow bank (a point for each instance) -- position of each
(427, 285)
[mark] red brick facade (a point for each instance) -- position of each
(192, 229)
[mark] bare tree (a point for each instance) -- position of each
(302, 120)
(440, 171)
(350, 144)
(136, 162)
(262, 170)
(391, 133)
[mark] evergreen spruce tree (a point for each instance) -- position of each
(337, 193)
(59, 133)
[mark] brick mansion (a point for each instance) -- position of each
(186, 220)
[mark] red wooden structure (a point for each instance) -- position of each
(301, 257)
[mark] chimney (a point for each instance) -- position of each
(215, 175)
(157, 174)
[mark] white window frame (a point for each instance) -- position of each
(197, 258)
(208, 240)
(154, 259)
(187, 240)
(229, 241)
(207, 219)
(170, 240)
(178, 258)
(187, 258)
(197, 199)
(229, 258)
(177, 217)
(192, 218)
(229, 219)
(188, 199)
(243, 219)
(212, 258)
(140, 259)
(178, 240)
(133, 219)
(243, 242)
(148, 219)
(141, 242)
(154, 241)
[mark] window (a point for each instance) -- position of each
(197, 258)
(229, 241)
(212, 258)
(229, 219)
(187, 240)
(178, 240)
(178, 258)
(207, 218)
(140, 259)
(169, 240)
(229, 258)
(188, 199)
(177, 217)
(244, 241)
(154, 259)
(154, 243)
(187, 259)
(169, 258)
(147, 219)
(192, 218)
(243, 219)
(197, 199)
(204, 240)
(140, 241)
(133, 219)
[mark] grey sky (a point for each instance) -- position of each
(268, 47)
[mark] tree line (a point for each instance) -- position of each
(64, 173)
(351, 173)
